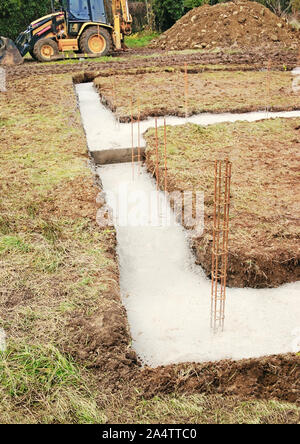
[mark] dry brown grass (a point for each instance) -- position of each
(59, 283)
(55, 262)
(264, 232)
(163, 93)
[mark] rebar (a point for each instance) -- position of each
(132, 138)
(114, 93)
(186, 89)
(157, 154)
(222, 185)
(268, 86)
(165, 153)
(139, 135)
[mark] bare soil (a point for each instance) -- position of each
(239, 24)
(247, 378)
(139, 59)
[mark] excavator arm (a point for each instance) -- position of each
(122, 21)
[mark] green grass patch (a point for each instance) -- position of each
(34, 379)
(12, 243)
(140, 39)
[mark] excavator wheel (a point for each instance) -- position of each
(95, 40)
(45, 49)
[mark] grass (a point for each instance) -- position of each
(200, 409)
(264, 206)
(140, 39)
(59, 282)
(39, 380)
(54, 260)
(162, 93)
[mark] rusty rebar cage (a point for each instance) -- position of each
(220, 243)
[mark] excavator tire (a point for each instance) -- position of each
(45, 49)
(95, 40)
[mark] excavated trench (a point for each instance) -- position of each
(167, 297)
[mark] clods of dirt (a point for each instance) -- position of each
(275, 377)
(240, 24)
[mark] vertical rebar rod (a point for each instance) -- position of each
(186, 89)
(165, 153)
(268, 87)
(139, 135)
(132, 138)
(114, 94)
(213, 259)
(226, 234)
(224, 249)
(222, 184)
(157, 154)
(219, 183)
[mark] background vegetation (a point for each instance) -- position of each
(15, 15)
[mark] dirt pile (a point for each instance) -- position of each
(240, 24)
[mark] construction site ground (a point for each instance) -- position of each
(255, 59)
(264, 230)
(69, 356)
(164, 93)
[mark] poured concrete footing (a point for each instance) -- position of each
(110, 141)
(167, 297)
(121, 155)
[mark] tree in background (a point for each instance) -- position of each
(138, 11)
(167, 12)
(15, 15)
(279, 7)
(142, 14)
(190, 4)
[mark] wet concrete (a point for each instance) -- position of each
(167, 297)
(111, 142)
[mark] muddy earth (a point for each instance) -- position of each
(144, 58)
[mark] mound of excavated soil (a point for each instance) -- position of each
(240, 24)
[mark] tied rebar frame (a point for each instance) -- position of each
(220, 243)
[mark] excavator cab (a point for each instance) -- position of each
(86, 27)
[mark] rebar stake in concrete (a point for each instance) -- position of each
(186, 90)
(165, 152)
(157, 154)
(114, 93)
(268, 87)
(139, 135)
(132, 138)
(220, 243)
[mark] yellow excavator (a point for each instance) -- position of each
(87, 28)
